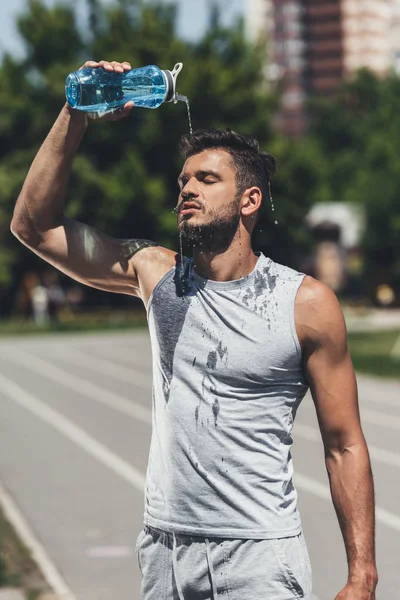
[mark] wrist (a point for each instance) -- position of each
(77, 118)
(366, 576)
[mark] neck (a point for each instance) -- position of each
(234, 262)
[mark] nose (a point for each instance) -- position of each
(190, 190)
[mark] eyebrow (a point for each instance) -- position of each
(201, 173)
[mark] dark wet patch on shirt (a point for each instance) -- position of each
(212, 360)
(271, 279)
(260, 284)
(222, 350)
(169, 318)
(216, 409)
(248, 296)
(182, 278)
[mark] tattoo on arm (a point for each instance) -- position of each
(132, 247)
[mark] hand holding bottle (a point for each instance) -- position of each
(111, 67)
(102, 88)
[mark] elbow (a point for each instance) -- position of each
(18, 229)
(338, 455)
(24, 232)
(15, 227)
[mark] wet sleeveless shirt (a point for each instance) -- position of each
(227, 381)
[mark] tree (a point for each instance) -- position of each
(358, 136)
(124, 176)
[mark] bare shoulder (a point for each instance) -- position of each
(318, 314)
(150, 266)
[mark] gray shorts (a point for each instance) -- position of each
(176, 567)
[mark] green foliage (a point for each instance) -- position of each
(124, 176)
(358, 135)
(373, 353)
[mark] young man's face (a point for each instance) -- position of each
(208, 204)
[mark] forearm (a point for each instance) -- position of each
(40, 204)
(353, 497)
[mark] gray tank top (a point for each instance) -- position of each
(227, 381)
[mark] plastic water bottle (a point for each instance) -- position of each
(97, 91)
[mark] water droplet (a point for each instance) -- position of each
(271, 200)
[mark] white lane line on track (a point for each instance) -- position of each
(322, 491)
(381, 400)
(38, 553)
(106, 367)
(141, 413)
(73, 433)
(312, 434)
(82, 386)
(127, 471)
(87, 443)
(376, 418)
(127, 355)
(371, 416)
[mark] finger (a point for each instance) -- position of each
(117, 66)
(126, 65)
(106, 65)
(123, 112)
(89, 64)
(119, 113)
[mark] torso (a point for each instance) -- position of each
(228, 378)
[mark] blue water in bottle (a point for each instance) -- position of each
(95, 90)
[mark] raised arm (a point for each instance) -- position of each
(76, 249)
(322, 332)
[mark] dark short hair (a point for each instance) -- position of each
(253, 166)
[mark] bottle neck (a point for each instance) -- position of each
(170, 81)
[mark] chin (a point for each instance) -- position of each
(190, 221)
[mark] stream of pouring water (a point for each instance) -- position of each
(181, 249)
(179, 97)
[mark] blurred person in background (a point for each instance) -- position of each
(33, 299)
(237, 341)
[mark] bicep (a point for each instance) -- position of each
(91, 257)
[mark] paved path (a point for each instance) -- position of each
(74, 438)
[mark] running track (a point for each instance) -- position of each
(74, 438)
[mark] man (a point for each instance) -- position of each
(237, 339)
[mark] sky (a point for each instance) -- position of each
(191, 22)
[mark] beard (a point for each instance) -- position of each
(216, 235)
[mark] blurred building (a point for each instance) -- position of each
(314, 44)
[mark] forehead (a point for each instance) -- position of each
(210, 159)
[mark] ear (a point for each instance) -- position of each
(251, 202)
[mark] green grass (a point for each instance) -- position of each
(17, 569)
(89, 321)
(371, 353)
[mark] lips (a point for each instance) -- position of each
(188, 207)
